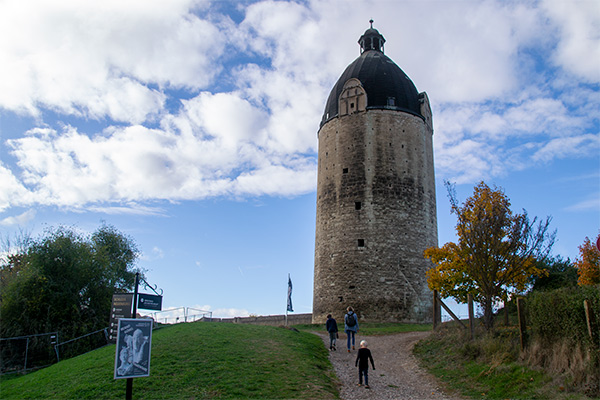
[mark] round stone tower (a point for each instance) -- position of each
(376, 209)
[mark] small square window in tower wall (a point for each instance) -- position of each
(361, 242)
(357, 205)
(345, 171)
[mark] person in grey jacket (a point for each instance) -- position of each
(351, 326)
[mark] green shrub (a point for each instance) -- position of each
(558, 314)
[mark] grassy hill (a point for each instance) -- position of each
(196, 361)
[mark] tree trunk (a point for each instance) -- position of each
(488, 316)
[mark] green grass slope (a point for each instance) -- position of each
(196, 361)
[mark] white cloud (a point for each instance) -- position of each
(256, 134)
(155, 254)
(586, 205)
(457, 51)
(573, 146)
(95, 59)
(227, 117)
(11, 188)
(467, 161)
(217, 145)
(20, 219)
(128, 209)
(578, 48)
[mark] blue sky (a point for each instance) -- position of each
(192, 125)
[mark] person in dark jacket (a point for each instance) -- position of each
(332, 328)
(362, 361)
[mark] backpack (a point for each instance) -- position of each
(351, 320)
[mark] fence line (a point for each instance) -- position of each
(39, 350)
(184, 312)
(10, 353)
(56, 346)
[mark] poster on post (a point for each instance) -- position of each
(134, 341)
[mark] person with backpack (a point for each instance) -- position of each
(350, 326)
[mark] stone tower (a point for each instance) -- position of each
(376, 209)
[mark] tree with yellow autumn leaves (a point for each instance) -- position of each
(588, 266)
(496, 252)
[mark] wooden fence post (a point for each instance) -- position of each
(471, 316)
(522, 326)
(436, 311)
(589, 317)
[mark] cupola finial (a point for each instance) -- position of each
(371, 40)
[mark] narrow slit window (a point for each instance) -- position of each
(357, 205)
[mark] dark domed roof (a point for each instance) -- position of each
(386, 85)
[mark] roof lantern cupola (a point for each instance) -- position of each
(371, 40)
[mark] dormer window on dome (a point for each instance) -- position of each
(371, 40)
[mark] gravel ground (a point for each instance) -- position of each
(397, 374)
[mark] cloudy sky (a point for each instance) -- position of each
(192, 125)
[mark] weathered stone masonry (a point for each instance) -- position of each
(376, 211)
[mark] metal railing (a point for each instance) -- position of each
(179, 314)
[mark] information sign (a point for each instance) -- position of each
(121, 308)
(134, 342)
(149, 301)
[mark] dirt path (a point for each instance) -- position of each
(397, 374)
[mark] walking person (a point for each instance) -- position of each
(332, 328)
(350, 326)
(362, 361)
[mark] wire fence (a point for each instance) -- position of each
(22, 353)
(26, 353)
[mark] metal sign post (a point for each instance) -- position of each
(129, 385)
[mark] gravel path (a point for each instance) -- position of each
(397, 374)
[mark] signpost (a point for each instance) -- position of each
(133, 336)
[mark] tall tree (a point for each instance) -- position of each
(66, 281)
(12, 254)
(588, 265)
(560, 273)
(496, 251)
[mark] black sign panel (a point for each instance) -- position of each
(149, 301)
(121, 308)
(132, 357)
